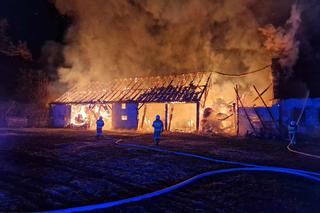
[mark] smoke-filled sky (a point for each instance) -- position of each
(120, 38)
(136, 37)
(114, 38)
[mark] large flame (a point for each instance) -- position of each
(85, 116)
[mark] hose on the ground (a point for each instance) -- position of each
(313, 176)
(302, 153)
(297, 122)
(211, 159)
(180, 185)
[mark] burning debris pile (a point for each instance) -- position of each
(219, 119)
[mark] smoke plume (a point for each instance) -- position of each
(282, 41)
(121, 38)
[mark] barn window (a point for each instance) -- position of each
(124, 117)
(123, 106)
(296, 114)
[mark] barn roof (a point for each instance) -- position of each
(189, 87)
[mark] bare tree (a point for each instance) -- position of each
(10, 48)
(32, 86)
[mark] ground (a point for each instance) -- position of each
(49, 169)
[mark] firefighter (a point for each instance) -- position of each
(292, 129)
(158, 129)
(100, 124)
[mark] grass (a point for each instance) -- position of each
(43, 169)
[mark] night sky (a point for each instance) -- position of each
(38, 21)
(35, 22)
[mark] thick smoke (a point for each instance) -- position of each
(121, 38)
(282, 42)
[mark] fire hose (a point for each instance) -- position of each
(313, 176)
(293, 138)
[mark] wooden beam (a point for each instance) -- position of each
(118, 90)
(245, 111)
(170, 116)
(143, 116)
(141, 106)
(135, 92)
(194, 93)
(109, 90)
(260, 118)
(181, 85)
(151, 92)
(164, 91)
(130, 90)
(198, 116)
(263, 92)
(234, 110)
(122, 83)
(238, 116)
(266, 106)
(205, 87)
(94, 114)
(123, 89)
(106, 108)
(166, 117)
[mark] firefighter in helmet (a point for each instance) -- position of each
(100, 124)
(292, 130)
(158, 129)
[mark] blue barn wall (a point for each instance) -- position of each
(310, 122)
(290, 110)
(60, 115)
(131, 111)
(244, 125)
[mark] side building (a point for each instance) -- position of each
(271, 121)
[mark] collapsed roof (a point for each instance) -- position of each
(184, 88)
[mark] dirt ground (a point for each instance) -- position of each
(47, 169)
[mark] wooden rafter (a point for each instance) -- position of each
(155, 89)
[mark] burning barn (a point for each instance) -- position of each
(185, 103)
(133, 103)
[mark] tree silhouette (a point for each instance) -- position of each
(8, 47)
(32, 86)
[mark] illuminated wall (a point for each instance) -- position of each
(60, 115)
(125, 115)
(147, 114)
(181, 116)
